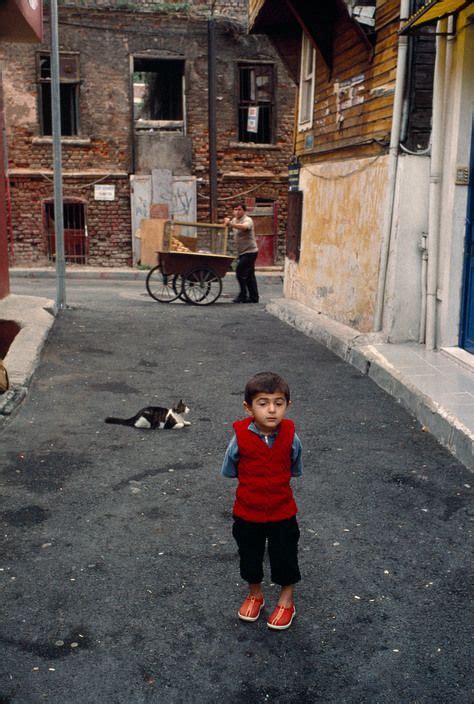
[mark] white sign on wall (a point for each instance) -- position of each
(104, 192)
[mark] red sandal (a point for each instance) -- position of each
(251, 607)
(281, 617)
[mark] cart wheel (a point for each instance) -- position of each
(201, 287)
(163, 288)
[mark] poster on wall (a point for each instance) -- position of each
(252, 120)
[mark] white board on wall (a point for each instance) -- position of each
(140, 202)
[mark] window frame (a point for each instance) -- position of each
(306, 83)
(66, 66)
(272, 122)
(178, 126)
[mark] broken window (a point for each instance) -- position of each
(158, 94)
(256, 103)
(307, 80)
(69, 81)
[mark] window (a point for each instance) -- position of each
(69, 81)
(307, 76)
(256, 98)
(158, 92)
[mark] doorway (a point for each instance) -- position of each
(75, 232)
(467, 314)
(264, 213)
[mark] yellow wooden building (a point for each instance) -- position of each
(380, 108)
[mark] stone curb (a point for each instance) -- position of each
(35, 317)
(359, 351)
(109, 274)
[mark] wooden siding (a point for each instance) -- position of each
(254, 8)
(353, 102)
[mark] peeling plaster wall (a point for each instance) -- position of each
(340, 244)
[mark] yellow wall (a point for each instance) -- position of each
(340, 244)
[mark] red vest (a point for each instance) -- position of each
(264, 492)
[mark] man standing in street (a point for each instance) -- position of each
(247, 251)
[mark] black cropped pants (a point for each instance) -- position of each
(282, 538)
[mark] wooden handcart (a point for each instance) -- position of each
(191, 264)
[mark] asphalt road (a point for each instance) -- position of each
(118, 573)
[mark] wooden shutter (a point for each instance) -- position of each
(293, 225)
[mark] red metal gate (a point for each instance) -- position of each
(75, 232)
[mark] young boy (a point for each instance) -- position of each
(264, 454)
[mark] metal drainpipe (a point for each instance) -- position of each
(211, 28)
(392, 166)
(436, 169)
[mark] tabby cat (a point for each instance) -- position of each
(152, 417)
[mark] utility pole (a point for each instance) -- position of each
(211, 36)
(57, 169)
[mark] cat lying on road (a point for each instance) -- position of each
(152, 417)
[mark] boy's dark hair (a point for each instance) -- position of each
(239, 204)
(266, 382)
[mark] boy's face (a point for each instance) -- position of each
(239, 212)
(267, 410)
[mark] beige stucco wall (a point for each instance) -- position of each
(340, 244)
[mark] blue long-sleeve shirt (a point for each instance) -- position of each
(231, 457)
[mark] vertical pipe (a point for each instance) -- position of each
(392, 167)
(133, 134)
(58, 189)
(436, 167)
(211, 36)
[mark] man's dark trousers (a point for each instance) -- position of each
(245, 273)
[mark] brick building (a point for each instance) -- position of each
(20, 21)
(134, 113)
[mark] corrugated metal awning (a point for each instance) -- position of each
(433, 11)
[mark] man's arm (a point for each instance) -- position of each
(237, 226)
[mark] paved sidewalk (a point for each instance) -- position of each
(437, 387)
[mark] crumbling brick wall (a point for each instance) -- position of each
(105, 34)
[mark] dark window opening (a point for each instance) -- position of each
(256, 104)
(158, 86)
(68, 103)
(69, 81)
